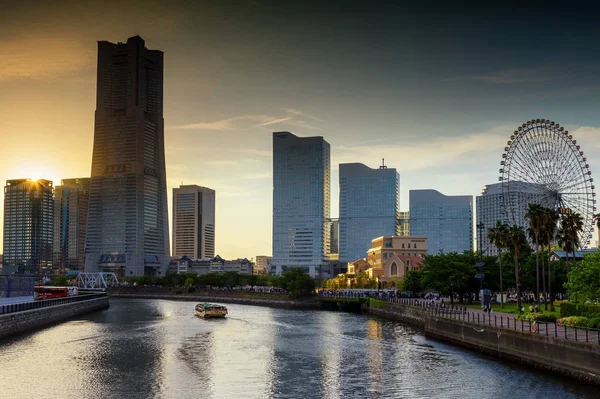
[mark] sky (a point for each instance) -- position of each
(434, 88)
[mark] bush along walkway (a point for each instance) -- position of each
(533, 323)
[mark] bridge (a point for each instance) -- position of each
(96, 281)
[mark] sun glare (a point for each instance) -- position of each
(35, 172)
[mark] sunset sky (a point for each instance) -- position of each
(436, 91)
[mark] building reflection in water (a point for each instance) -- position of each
(375, 353)
(331, 353)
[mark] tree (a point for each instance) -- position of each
(549, 235)
(449, 273)
(412, 281)
(535, 215)
(517, 241)
(498, 237)
(298, 283)
(584, 279)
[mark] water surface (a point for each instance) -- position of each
(160, 349)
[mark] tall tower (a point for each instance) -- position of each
(71, 201)
(193, 222)
(127, 223)
(368, 207)
(28, 226)
(301, 202)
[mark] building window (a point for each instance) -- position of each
(394, 269)
(402, 245)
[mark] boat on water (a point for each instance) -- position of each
(208, 310)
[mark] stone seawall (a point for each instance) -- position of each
(15, 323)
(579, 360)
(574, 359)
(393, 311)
(273, 303)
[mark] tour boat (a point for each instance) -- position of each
(207, 310)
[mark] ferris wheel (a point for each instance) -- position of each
(543, 164)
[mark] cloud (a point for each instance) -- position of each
(416, 154)
(510, 76)
(43, 57)
(276, 121)
(293, 117)
(300, 113)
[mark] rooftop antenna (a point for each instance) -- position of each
(383, 164)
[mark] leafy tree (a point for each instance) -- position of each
(584, 280)
(498, 237)
(448, 273)
(60, 281)
(411, 281)
(189, 282)
(298, 283)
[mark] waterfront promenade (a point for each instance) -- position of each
(494, 319)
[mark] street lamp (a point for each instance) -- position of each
(480, 227)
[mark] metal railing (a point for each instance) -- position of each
(21, 307)
(501, 320)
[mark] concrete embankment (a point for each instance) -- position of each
(27, 320)
(578, 360)
(273, 303)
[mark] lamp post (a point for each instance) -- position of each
(480, 227)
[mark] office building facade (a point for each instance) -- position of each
(446, 221)
(28, 226)
(193, 222)
(490, 208)
(127, 230)
(262, 264)
(71, 200)
(301, 202)
(334, 239)
(403, 224)
(368, 207)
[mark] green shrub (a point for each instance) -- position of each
(376, 303)
(540, 316)
(574, 321)
(588, 310)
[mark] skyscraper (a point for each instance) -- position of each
(490, 209)
(28, 226)
(368, 207)
(71, 200)
(446, 221)
(193, 222)
(301, 202)
(403, 224)
(127, 226)
(334, 239)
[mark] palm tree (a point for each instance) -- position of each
(549, 234)
(597, 218)
(498, 237)
(517, 241)
(535, 216)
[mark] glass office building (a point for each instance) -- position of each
(127, 230)
(71, 200)
(28, 226)
(368, 207)
(446, 221)
(193, 222)
(301, 203)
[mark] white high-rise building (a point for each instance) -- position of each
(490, 208)
(193, 222)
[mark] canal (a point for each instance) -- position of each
(159, 349)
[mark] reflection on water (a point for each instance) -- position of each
(160, 349)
